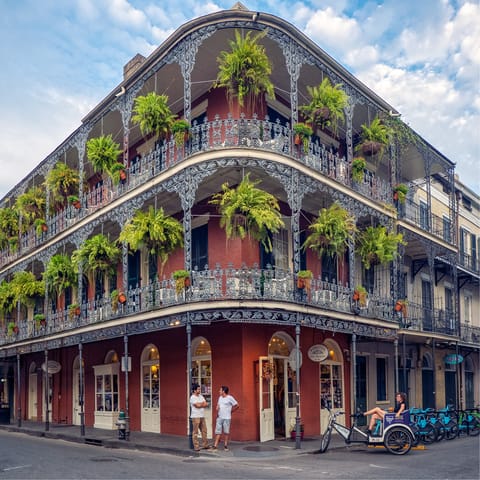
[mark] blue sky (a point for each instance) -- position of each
(59, 58)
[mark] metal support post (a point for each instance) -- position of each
(189, 379)
(46, 384)
(297, 372)
(19, 396)
(81, 393)
(127, 416)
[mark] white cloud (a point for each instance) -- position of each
(63, 57)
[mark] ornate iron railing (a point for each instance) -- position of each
(232, 284)
(207, 136)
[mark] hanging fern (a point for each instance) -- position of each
(26, 288)
(102, 153)
(377, 246)
(97, 255)
(153, 115)
(245, 70)
(331, 231)
(248, 211)
(159, 234)
(59, 274)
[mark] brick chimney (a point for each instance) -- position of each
(132, 66)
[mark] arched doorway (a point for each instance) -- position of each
(150, 385)
(277, 385)
(202, 374)
(76, 407)
(32, 392)
(331, 383)
(107, 394)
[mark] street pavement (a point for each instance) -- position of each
(171, 444)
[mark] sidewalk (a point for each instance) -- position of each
(171, 444)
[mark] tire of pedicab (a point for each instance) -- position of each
(398, 441)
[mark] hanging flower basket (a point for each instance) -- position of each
(122, 298)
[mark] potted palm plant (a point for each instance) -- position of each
(248, 211)
(180, 131)
(400, 192)
(182, 280)
(74, 310)
(326, 107)
(39, 319)
(331, 232)
(40, 226)
(74, 201)
(377, 246)
(302, 133)
(358, 168)
(245, 71)
(360, 295)
(158, 233)
(12, 329)
(304, 279)
(401, 307)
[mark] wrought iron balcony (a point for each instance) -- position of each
(205, 137)
(230, 284)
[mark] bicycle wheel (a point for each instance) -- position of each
(326, 440)
(429, 434)
(473, 427)
(451, 430)
(440, 432)
(398, 441)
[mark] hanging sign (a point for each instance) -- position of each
(453, 359)
(53, 367)
(318, 353)
(292, 359)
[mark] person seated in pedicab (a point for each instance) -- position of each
(377, 413)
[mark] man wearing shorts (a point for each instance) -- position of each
(225, 406)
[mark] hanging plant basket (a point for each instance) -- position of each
(122, 298)
(370, 148)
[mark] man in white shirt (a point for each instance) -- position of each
(225, 406)
(197, 414)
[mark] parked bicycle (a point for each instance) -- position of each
(395, 434)
(468, 422)
(448, 422)
(425, 431)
